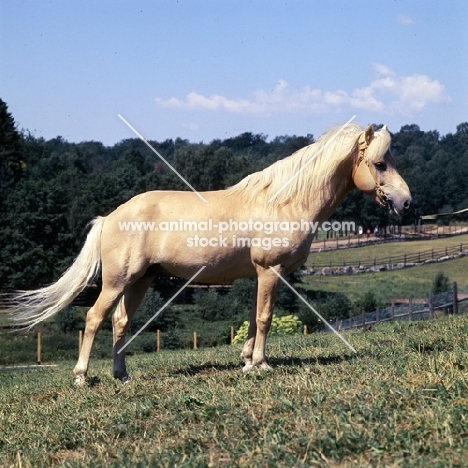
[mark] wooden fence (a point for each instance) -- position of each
(157, 347)
(410, 310)
(434, 306)
(404, 259)
(346, 240)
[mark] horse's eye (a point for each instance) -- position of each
(381, 166)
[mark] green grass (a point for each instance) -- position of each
(401, 401)
(366, 254)
(393, 284)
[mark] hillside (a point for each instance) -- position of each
(401, 401)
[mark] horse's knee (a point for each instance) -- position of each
(264, 323)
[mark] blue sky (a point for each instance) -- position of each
(202, 70)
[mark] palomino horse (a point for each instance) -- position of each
(260, 228)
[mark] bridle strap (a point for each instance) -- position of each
(381, 197)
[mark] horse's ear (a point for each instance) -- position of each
(369, 134)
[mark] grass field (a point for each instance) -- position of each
(366, 254)
(401, 401)
(391, 284)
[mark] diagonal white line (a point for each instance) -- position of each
(159, 155)
(161, 309)
(311, 159)
(313, 310)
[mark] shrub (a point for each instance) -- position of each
(171, 340)
(329, 305)
(151, 303)
(440, 284)
(214, 306)
(286, 325)
(367, 303)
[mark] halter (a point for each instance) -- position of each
(363, 145)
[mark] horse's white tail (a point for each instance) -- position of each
(28, 308)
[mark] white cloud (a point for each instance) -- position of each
(413, 93)
(364, 98)
(405, 20)
(387, 93)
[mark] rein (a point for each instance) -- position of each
(381, 197)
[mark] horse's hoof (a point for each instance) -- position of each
(265, 367)
(247, 368)
(80, 380)
(124, 378)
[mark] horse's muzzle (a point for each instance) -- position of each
(399, 209)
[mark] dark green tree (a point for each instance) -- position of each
(11, 156)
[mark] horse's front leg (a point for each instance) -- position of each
(268, 283)
(247, 350)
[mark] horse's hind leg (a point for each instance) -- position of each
(122, 319)
(94, 318)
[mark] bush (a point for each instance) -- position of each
(214, 306)
(67, 319)
(329, 305)
(171, 340)
(286, 325)
(440, 284)
(367, 303)
(151, 303)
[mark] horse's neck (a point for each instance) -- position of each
(328, 196)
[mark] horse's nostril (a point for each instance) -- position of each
(407, 204)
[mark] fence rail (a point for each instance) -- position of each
(403, 259)
(435, 306)
(346, 240)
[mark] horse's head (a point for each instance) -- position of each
(375, 174)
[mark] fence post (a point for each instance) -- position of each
(194, 340)
(80, 341)
(455, 298)
(410, 308)
(158, 340)
(305, 330)
(39, 346)
(430, 304)
(232, 334)
(377, 315)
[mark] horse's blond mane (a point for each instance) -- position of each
(314, 165)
